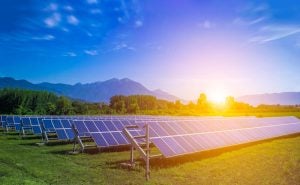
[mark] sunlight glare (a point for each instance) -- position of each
(218, 96)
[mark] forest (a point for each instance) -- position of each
(28, 102)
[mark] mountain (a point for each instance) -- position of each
(91, 92)
(284, 98)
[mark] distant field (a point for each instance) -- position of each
(271, 162)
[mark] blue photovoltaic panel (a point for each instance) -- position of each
(62, 127)
(105, 133)
(81, 128)
(26, 122)
(3, 120)
(175, 138)
(99, 140)
(36, 127)
(31, 123)
(13, 122)
(48, 125)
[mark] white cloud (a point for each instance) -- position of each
(121, 20)
(70, 54)
(65, 29)
(91, 52)
(207, 24)
(45, 37)
(53, 20)
(260, 8)
(96, 11)
(89, 34)
(72, 20)
(123, 46)
(275, 32)
(241, 21)
(69, 8)
(92, 1)
(124, 9)
(52, 7)
(138, 23)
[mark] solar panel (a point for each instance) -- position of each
(105, 133)
(175, 138)
(13, 122)
(62, 127)
(36, 126)
(2, 121)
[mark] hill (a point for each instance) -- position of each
(284, 98)
(99, 91)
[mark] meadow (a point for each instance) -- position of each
(22, 161)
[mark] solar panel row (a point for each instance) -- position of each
(183, 137)
(173, 136)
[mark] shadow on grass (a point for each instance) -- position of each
(3, 174)
(30, 137)
(11, 133)
(58, 142)
(93, 151)
(123, 164)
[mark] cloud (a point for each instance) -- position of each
(121, 20)
(207, 24)
(70, 54)
(52, 7)
(121, 46)
(92, 1)
(253, 14)
(72, 20)
(260, 8)
(89, 34)
(241, 21)
(275, 32)
(69, 8)
(65, 29)
(138, 23)
(53, 20)
(91, 52)
(95, 11)
(45, 37)
(124, 9)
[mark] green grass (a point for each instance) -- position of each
(270, 162)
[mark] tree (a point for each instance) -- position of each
(202, 103)
(79, 107)
(50, 108)
(63, 106)
(178, 104)
(230, 102)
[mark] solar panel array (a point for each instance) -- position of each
(105, 133)
(174, 138)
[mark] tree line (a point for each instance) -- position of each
(27, 102)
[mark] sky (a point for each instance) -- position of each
(182, 47)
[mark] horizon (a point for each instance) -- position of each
(183, 48)
(213, 99)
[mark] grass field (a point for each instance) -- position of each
(270, 162)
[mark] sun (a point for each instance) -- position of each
(217, 96)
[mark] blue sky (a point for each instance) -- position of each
(183, 47)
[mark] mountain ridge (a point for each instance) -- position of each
(99, 91)
(282, 98)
